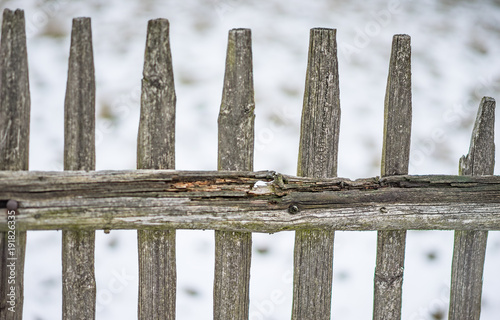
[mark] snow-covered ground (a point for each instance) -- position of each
(455, 62)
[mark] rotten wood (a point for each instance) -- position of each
(14, 154)
(78, 276)
(233, 250)
(389, 268)
(156, 150)
(470, 246)
(319, 136)
(248, 201)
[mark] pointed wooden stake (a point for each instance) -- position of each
(319, 136)
(79, 287)
(156, 150)
(395, 158)
(470, 246)
(233, 250)
(14, 148)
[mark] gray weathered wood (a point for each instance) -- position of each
(233, 250)
(397, 109)
(395, 158)
(231, 201)
(78, 277)
(319, 132)
(156, 150)
(470, 246)
(79, 103)
(157, 274)
(319, 136)
(156, 138)
(14, 148)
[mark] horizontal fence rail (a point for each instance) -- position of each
(262, 201)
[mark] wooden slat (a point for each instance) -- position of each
(156, 150)
(78, 277)
(14, 150)
(231, 201)
(319, 136)
(395, 158)
(470, 246)
(233, 250)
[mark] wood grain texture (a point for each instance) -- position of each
(78, 276)
(397, 109)
(157, 274)
(319, 136)
(156, 138)
(319, 131)
(470, 246)
(395, 159)
(233, 255)
(79, 103)
(156, 150)
(14, 148)
(146, 199)
(236, 116)
(233, 250)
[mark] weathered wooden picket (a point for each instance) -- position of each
(235, 201)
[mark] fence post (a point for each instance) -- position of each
(470, 246)
(78, 277)
(156, 150)
(233, 250)
(14, 150)
(395, 159)
(319, 136)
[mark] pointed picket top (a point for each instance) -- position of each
(398, 109)
(14, 93)
(236, 116)
(319, 133)
(469, 249)
(156, 138)
(79, 103)
(481, 157)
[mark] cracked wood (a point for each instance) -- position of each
(15, 105)
(233, 250)
(234, 201)
(156, 150)
(319, 137)
(78, 276)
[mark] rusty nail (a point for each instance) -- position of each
(12, 204)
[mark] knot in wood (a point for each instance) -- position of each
(156, 82)
(293, 208)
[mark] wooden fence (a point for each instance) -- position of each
(235, 201)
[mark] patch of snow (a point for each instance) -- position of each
(454, 63)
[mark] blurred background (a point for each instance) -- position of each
(455, 62)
